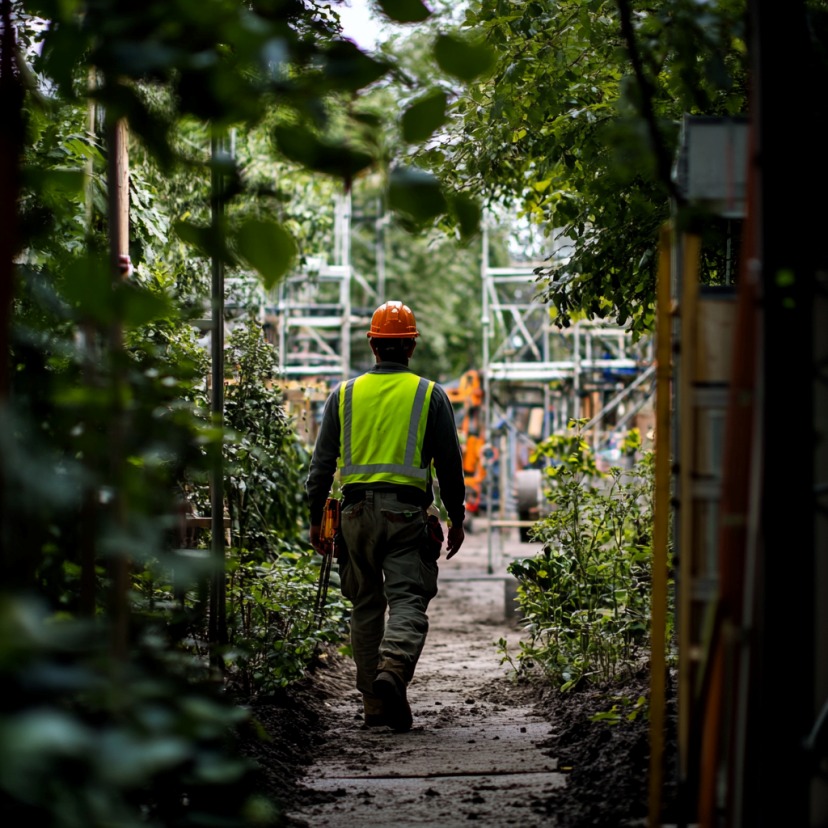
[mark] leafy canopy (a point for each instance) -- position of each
(577, 124)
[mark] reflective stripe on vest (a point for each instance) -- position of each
(383, 420)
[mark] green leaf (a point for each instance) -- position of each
(53, 183)
(371, 119)
(405, 11)
(350, 68)
(467, 213)
(463, 58)
(128, 761)
(334, 158)
(416, 193)
(87, 286)
(191, 233)
(140, 306)
(268, 248)
(42, 731)
(63, 52)
(205, 239)
(421, 119)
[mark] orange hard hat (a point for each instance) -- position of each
(393, 320)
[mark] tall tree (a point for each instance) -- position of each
(577, 125)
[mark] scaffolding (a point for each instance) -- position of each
(312, 314)
(537, 378)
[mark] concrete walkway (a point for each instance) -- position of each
(473, 753)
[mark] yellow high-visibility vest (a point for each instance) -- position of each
(383, 421)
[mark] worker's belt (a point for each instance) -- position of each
(409, 498)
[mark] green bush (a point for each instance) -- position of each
(585, 599)
(274, 636)
(86, 742)
(265, 461)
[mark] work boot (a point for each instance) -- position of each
(374, 714)
(391, 689)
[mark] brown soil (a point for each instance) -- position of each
(484, 746)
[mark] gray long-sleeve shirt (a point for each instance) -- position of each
(440, 445)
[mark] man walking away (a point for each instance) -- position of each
(384, 432)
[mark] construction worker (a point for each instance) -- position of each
(385, 431)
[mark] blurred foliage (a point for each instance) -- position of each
(86, 742)
(266, 465)
(124, 704)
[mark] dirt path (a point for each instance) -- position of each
(474, 751)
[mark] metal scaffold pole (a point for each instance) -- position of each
(535, 379)
(343, 260)
(487, 407)
(313, 313)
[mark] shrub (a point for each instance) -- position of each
(585, 599)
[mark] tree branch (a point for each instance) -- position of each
(663, 158)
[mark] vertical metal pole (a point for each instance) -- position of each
(546, 427)
(576, 371)
(487, 402)
(508, 464)
(380, 229)
(589, 356)
(217, 622)
(337, 240)
(118, 192)
(284, 321)
(344, 204)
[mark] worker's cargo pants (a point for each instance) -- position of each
(384, 566)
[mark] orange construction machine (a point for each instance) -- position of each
(467, 400)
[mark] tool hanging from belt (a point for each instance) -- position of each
(327, 537)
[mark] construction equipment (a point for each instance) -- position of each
(467, 401)
(328, 537)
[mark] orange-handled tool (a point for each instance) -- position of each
(327, 536)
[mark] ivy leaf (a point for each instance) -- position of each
(405, 11)
(417, 193)
(463, 58)
(421, 119)
(268, 248)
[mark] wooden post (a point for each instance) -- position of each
(661, 523)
